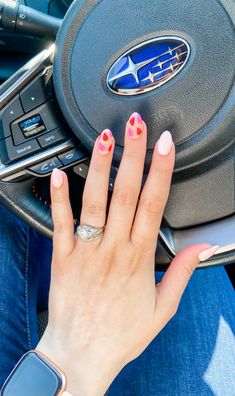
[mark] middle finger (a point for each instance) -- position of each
(128, 180)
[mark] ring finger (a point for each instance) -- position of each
(96, 187)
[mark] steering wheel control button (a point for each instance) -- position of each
(32, 126)
(38, 91)
(8, 114)
(45, 167)
(27, 128)
(53, 137)
(13, 153)
(49, 114)
(43, 119)
(71, 156)
(17, 134)
(82, 169)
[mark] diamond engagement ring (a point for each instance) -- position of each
(88, 233)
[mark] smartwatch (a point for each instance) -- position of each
(35, 375)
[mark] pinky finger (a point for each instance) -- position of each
(63, 236)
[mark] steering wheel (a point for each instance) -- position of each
(172, 61)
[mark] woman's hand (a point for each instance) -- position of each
(104, 307)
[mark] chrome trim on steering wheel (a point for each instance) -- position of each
(24, 75)
(9, 90)
(220, 232)
(12, 171)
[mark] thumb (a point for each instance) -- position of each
(170, 289)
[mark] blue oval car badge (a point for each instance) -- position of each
(148, 65)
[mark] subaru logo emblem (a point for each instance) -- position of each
(148, 65)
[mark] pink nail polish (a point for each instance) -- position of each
(206, 254)
(130, 132)
(138, 118)
(57, 178)
(105, 142)
(101, 146)
(164, 144)
(135, 126)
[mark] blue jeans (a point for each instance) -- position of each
(193, 355)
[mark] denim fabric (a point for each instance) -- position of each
(22, 252)
(193, 355)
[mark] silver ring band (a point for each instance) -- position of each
(89, 233)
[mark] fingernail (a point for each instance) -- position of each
(206, 254)
(57, 178)
(135, 126)
(105, 142)
(165, 143)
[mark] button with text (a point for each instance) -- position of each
(12, 153)
(52, 137)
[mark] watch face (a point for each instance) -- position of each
(34, 376)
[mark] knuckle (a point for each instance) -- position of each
(153, 206)
(97, 167)
(58, 199)
(164, 167)
(125, 197)
(94, 208)
(142, 241)
(187, 271)
(131, 154)
(165, 170)
(59, 227)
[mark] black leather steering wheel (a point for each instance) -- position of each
(174, 62)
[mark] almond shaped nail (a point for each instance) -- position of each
(57, 178)
(105, 141)
(135, 126)
(165, 143)
(206, 254)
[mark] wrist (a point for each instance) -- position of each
(86, 376)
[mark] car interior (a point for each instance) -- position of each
(69, 69)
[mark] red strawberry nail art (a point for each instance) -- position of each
(105, 142)
(105, 137)
(132, 121)
(135, 129)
